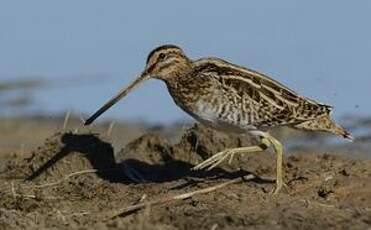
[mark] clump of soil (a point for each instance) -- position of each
(74, 180)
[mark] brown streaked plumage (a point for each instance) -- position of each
(232, 98)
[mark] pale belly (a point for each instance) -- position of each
(231, 120)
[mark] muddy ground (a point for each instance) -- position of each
(77, 180)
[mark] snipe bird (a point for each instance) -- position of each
(232, 98)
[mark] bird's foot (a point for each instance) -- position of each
(277, 189)
(215, 160)
(218, 158)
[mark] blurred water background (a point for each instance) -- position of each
(57, 56)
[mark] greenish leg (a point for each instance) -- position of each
(266, 141)
(278, 148)
(217, 158)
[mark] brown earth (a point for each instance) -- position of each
(76, 181)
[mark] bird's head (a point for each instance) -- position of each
(165, 62)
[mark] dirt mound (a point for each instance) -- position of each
(65, 153)
(74, 181)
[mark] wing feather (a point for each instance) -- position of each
(276, 103)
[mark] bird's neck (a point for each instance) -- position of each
(178, 73)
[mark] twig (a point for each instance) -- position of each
(142, 198)
(76, 131)
(183, 196)
(13, 191)
(14, 194)
(110, 128)
(66, 119)
(214, 227)
(66, 178)
(36, 197)
(79, 214)
(82, 119)
(81, 126)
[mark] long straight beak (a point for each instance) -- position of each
(116, 98)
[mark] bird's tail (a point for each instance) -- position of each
(339, 130)
(325, 123)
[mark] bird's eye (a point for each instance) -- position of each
(162, 56)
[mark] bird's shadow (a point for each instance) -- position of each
(101, 156)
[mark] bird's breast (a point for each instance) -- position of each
(214, 109)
